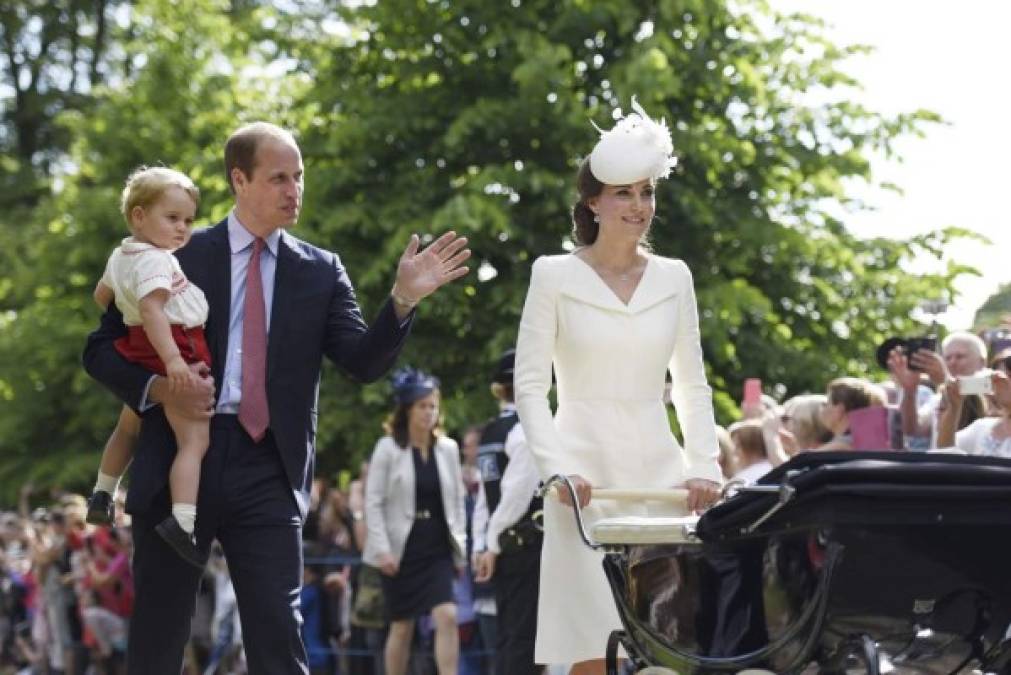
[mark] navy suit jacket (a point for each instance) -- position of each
(314, 313)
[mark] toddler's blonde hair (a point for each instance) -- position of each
(147, 184)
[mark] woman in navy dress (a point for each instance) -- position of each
(414, 511)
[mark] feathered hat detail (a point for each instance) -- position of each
(410, 384)
(636, 148)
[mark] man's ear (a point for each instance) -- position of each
(239, 178)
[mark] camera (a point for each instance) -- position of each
(979, 384)
(909, 346)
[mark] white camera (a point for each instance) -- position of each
(980, 384)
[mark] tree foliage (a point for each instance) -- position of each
(995, 311)
(419, 116)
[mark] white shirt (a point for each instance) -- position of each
(136, 269)
(977, 439)
(518, 484)
(751, 474)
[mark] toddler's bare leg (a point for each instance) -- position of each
(192, 439)
(118, 450)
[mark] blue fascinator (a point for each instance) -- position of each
(410, 384)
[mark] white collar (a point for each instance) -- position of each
(239, 238)
(131, 245)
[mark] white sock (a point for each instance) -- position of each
(107, 483)
(185, 515)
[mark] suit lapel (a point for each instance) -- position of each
(586, 286)
(284, 283)
(656, 285)
(219, 297)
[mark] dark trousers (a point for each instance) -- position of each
(247, 504)
(517, 582)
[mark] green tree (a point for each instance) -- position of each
(423, 116)
(994, 312)
(474, 115)
(181, 99)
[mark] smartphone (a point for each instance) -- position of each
(979, 384)
(752, 391)
(914, 345)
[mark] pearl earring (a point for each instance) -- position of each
(596, 218)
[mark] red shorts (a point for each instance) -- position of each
(136, 348)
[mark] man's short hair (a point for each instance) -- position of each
(966, 338)
(240, 149)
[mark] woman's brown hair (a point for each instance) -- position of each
(584, 226)
(854, 393)
(396, 425)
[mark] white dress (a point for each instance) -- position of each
(610, 426)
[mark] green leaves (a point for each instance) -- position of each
(418, 116)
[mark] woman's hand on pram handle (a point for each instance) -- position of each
(583, 491)
(702, 494)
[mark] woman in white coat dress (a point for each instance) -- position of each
(613, 318)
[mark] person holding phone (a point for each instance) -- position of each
(962, 353)
(612, 317)
(987, 436)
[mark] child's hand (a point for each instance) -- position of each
(178, 374)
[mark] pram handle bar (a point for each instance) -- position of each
(673, 495)
(562, 482)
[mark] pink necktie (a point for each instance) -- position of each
(253, 413)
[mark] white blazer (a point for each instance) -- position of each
(390, 495)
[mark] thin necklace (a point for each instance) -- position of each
(622, 276)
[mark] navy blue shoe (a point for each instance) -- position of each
(183, 544)
(101, 508)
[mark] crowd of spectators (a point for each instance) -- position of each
(67, 593)
(954, 398)
(66, 590)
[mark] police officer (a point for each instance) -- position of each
(507, 528)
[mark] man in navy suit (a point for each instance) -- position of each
(256, 475)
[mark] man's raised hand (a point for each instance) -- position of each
(421, 272)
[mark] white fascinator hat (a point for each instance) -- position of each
(637, 148)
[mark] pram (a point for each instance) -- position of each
(834, 562)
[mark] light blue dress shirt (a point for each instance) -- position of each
(240, 242)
